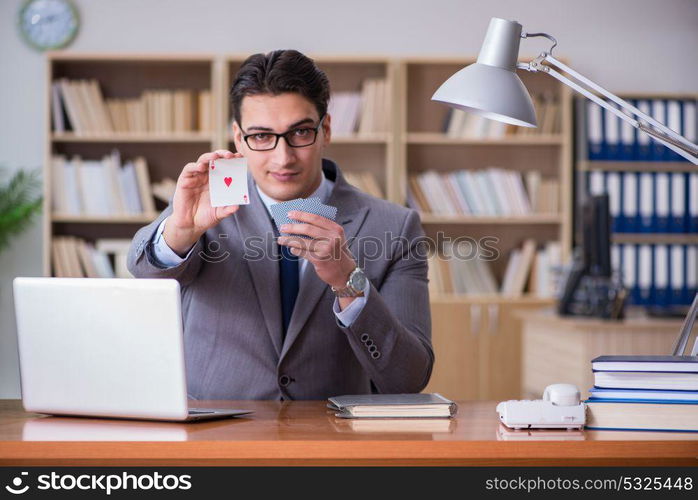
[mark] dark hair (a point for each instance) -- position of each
(279, 72)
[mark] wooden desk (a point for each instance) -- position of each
(307, 433)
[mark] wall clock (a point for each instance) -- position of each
(48, 24)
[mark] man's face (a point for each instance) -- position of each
(283, 173)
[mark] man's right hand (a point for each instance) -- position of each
(192, 213)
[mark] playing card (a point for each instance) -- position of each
(227, 182)
(280, 211)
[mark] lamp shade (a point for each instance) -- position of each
(491, 87)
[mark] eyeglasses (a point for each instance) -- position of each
(296, 138)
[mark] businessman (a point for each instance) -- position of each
(283, 317)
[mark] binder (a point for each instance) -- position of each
(662, 199)
(629, 272)
(692, 203)
(647, 220)
(630, 205)
(659, 114)
(595, 131)
(643, 140)
(660, 295)
(597, 182)
(612, 134)
(674, 123)
(689, 122)
(678, 203)
(613, 188)
(677, 257)
(691, 273)
(645, 273)
(628, 138)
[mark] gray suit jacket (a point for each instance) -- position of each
(231, 305)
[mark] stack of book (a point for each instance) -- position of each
(463, 271)
(80, 106)
(658, 393)
(101, 187)
(488, 192)
(74, 257)
(364, 112)
(462, 125)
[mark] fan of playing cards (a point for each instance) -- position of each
(228, 186)
(279, 212)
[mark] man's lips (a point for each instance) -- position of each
(283, 176)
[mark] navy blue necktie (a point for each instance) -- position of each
(288, 276)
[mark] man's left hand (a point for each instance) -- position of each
(327, 251)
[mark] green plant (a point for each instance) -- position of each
(19, 203)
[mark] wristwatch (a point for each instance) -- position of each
(355, 285)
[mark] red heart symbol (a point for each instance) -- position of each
(213, 166)
(228, 180)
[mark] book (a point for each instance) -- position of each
(641, 415)
(644, 394)
(675, 381)
(646, 363)
(393, 406)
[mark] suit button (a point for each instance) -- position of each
(372, 349)
(364, 337)
(376, 354)
(369, 343)
(284, 380)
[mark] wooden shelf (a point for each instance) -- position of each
(442, 139)
(509, 220)
(122, 137)
(637, 166)
(654, 238)
(104, 219)
(491, 299)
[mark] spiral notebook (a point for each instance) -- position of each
(393, 406)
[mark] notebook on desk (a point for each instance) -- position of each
(392, 406)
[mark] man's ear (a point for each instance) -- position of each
(237, 137)
(327, 130)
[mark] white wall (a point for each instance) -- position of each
(628, 45)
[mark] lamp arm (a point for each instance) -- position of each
(628, 112)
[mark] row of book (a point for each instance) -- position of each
(80, 106)
(649, 202)
(103, 187)
(488, 192)
(653, 393)
(611, 138)
(73, 257)
(365, 181)
(659, 274)
(463, 270)
(463, 125)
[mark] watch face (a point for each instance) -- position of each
(358, 279)
(48, 24)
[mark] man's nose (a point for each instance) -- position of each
(283, 154)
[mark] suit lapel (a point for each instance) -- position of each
(254, 223)
(350, 215)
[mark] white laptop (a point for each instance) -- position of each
(104, 348)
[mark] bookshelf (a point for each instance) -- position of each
(476, 336)
(123, 78)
